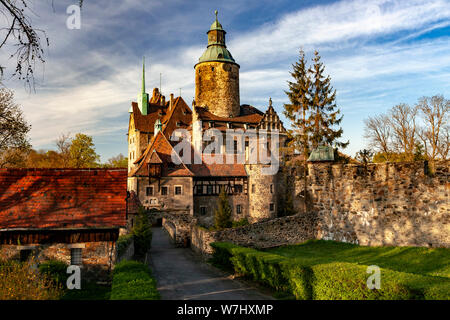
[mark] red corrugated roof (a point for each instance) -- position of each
(62, 198)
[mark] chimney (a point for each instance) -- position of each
(171, 102)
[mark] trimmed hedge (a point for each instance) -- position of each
(55, 269)
(133, 280)
(337, 280)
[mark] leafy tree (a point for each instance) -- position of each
(419, 152)
(324, 115)
(13, 128)
(119, 161)
(222, 215)
(82, 152)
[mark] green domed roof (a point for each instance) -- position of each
(216, 50)
(216, 53)
(216, 24)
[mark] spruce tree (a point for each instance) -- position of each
(300, 102)
(222, 215)
(324, 115)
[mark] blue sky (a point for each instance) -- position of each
(378, 53)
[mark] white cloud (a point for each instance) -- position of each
(88, 88)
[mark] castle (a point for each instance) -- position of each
(156, 181)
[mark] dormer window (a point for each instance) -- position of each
(178, 123)
(229, 126)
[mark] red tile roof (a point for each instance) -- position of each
(62, 198)
(248, 114)
(218, 169)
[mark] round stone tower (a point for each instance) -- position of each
(217, 76)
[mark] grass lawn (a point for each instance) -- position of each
(417, 260)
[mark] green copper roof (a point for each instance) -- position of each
(322, 153)
(216, 53)
(217, 50)
(216, 24)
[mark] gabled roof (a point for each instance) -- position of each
(145, 123)
(62, 198)
(162, 147)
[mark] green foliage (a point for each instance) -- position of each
(55, 269)
(122, 243)
(82, 152)
(309, 277)
(133, 280)
(222, 215)
(119, 161)
(142, 234)
(89, 291)
(21, 281)
(364, 156)
(240, 223)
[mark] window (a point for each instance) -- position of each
(149, 191)
(209, 189)
(178, 190)
(272, 207)
(238, 209)
(253, 188)
(164, 191)
(203, 211)
(75, 257)
(199, 189)
(238, 188)
(271, 188)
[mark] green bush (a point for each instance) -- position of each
(240, 223)
(55, 269)
(142, 234)
(122, 243)
(326, 281)
(133, 280)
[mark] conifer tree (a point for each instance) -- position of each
(300, 102)
(324, 115)
(222, 215)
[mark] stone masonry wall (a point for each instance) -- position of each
(267, 234)
(217, 87)
(383, 204)
(97, 257)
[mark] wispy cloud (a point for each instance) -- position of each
(377, 52)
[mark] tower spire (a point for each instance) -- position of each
(143, 96)
(143, 75)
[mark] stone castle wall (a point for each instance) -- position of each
(266, 234)
(384, 204)
(217, 87)
(263, 190)
(98, 257)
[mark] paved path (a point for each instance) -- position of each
(181, 275)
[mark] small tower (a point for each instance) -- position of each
(143, 96)
(157, 127)
(217, 76)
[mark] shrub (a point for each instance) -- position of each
(133, 280)
(222, 215)
(55, 269)
(21, 281)
(326, 281)
(122, 243)
(142, 234)
(240, 223)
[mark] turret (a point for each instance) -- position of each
(217, 76)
